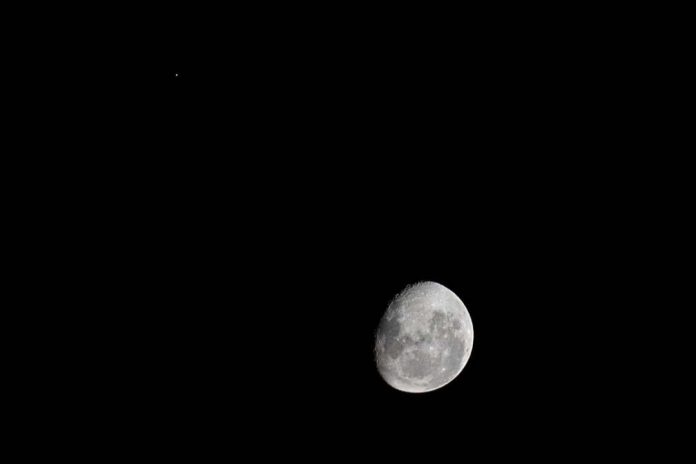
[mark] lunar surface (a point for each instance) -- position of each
(424, 339)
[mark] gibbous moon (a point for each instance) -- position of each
(424, 339)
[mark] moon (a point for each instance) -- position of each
(424, 339)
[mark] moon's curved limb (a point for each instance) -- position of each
(424, 339)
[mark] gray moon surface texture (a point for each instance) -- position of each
(424, 339)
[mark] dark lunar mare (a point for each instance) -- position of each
(390, 329)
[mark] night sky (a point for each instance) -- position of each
(307, 172)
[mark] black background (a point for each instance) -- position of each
(294, 177)
(325, 178)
